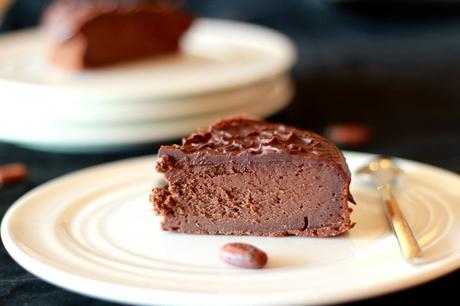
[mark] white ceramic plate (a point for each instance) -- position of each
(63, 114)
(94, 232)
(65, 137)
(217, 55)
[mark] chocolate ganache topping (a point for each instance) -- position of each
(242, 136)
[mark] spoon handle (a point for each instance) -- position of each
(407, 241)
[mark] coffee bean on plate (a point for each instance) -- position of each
(243, 255)
(349, 134)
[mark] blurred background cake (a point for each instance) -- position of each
(87, 34)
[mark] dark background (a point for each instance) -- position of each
(394, 66)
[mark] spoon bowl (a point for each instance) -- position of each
(382, 170)
(385, 174)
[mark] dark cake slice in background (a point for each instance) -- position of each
(95, 33)
(249, 177)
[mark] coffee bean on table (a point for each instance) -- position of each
(243, 255)
(350, 134)
(12, 173)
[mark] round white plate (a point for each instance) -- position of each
(99, 137)
(94, 232)
(61, 114)
(217, 55)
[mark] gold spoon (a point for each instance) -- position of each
(385, 175)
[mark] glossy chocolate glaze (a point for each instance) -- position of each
(243, 136)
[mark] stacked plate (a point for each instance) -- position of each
(226, 68)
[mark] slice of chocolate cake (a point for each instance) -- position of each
(249, 177)
(95, 33)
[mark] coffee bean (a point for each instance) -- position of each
(351, 135)
(243, 255)
(12, 173)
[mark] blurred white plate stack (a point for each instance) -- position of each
(226, 68)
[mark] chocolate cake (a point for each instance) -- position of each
(94, 33)
(249, 177)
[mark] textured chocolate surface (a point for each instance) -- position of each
(242, 136)
(249, 177)
(89, 34)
